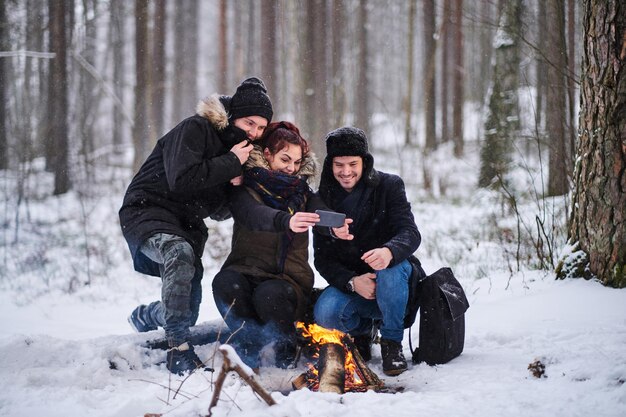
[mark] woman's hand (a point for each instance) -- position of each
(302, 220)
(343, 232)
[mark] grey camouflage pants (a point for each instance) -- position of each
(181, 291)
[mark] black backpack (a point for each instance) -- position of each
(442, 318)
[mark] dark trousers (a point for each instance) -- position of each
(261, 311)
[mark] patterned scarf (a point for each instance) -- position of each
(278, 190)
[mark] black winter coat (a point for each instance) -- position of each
(386, 221)
(182, 182)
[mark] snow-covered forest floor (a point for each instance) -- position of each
(67, 286)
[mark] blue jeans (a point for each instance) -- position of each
(181, 292)
(353, 314)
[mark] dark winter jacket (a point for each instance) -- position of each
(182, 182)
(384, 220)
(263, 247)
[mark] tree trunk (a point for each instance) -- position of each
(444, 71)
(503, 117)
(541, 66)
(157, 66)
(269, 67)
(222, 60)
(185, 90)
(408, 107)
(142, 58)
(598, 220)
(339, 80)
(117, 36)
(458, 86)
(556, 94)
(362, 106)
(4, 65)
(58, 97)
(572, 61)
(429, 75)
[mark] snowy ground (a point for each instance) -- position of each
(64, 317)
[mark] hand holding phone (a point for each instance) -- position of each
(330, 218)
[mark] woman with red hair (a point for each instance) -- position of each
(265, 283)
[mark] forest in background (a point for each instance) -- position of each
(82, 82)
(127, 72)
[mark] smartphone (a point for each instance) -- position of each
(330, 218)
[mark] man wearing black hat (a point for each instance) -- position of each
(371, 277)
(182, 182)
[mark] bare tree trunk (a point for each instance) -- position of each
(556, 93)
(598, 220)
(222, 61)
(157, 66)
(458, 85)
(408, 107)
(142, 58)
(117, 36)
(503, 118)
(429, 76)
(58, 97)
(314, 75)
(446, 79)
(572, 28)
(338, 79)
(4, 65)
(362, 107)
(540, 65)
(269, 68)
(185, 94)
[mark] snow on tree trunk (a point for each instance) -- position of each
(598, 220)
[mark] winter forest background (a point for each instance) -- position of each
(505, 118)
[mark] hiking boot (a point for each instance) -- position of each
(138, 321)
(363, 344)
(393, 359)
(182, 358)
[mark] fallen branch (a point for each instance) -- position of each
(232, 362)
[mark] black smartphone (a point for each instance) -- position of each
(330, 218)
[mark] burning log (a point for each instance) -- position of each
(369, 377)
(340, 367)
(332, 374)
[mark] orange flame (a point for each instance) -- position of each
(319, 336)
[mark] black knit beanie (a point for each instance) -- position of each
(251, 99)
(346, 141)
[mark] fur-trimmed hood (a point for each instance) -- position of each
(308, 169)
(212, 109)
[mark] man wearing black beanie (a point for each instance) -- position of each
(373, 278)
(181, 183)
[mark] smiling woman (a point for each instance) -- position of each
(265, 283)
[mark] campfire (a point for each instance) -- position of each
(340, 368)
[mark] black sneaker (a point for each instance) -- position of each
(393, 358)
(182, 358)
(138, 322)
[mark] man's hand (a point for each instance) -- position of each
(343, 232)
(302, 220)
(242, 150)
(378, 258)
(365, 285)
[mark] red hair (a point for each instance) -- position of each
(278, 134)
